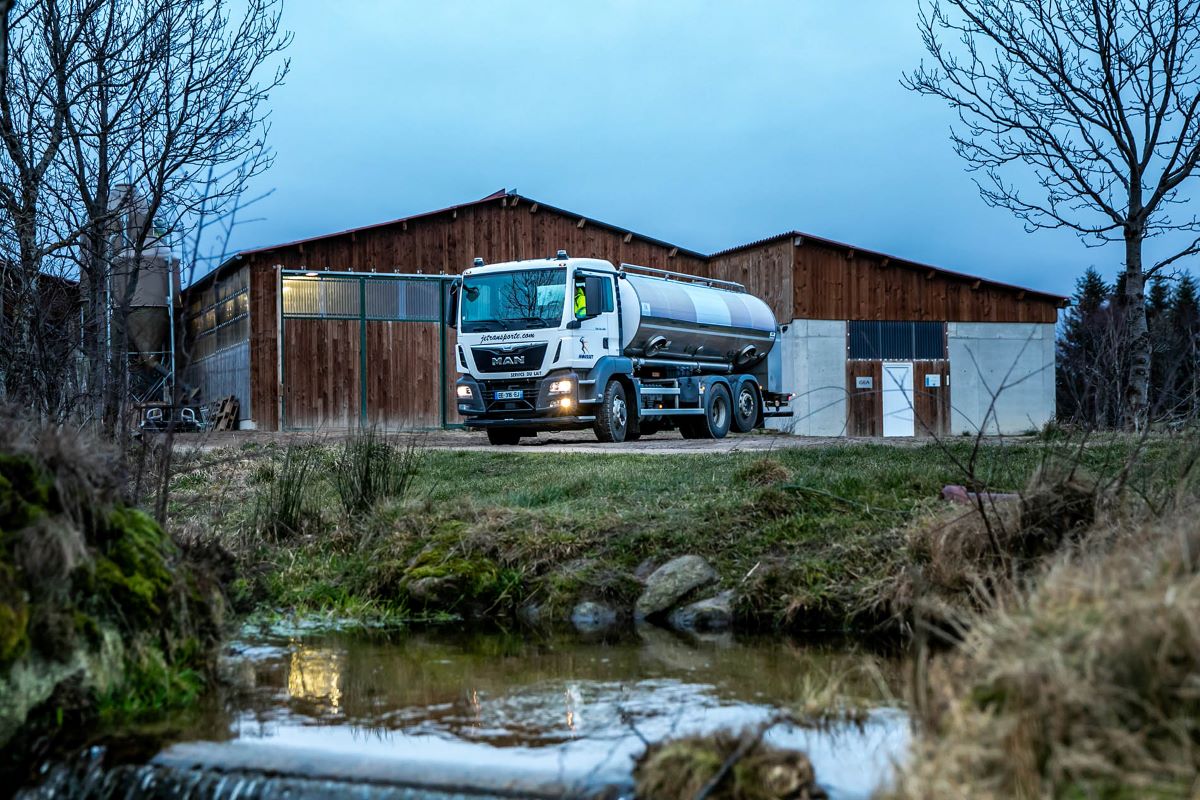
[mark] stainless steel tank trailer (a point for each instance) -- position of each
(571, 343)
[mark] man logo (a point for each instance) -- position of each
(503, 361)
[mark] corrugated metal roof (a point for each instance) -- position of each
(503, 194)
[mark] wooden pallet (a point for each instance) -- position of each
(226, 416)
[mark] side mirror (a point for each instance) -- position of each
(450, 304)
(573, 325)
(593, 295)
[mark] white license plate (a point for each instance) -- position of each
(513, 395)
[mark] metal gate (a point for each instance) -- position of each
(363, 349)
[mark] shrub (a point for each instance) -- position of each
(368, 469)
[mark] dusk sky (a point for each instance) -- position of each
(707, 124)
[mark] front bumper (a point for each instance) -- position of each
(536, 408)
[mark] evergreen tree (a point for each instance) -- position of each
(1162, 346)
(1086, 369)
(1184, 316)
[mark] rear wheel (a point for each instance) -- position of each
(612, 418)
(718, 412)
(503, 435)
(745, 408)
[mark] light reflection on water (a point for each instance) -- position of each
(557, 705)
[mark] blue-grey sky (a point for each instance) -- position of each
(707, 124)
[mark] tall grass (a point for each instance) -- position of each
(282, 505)
(368, 469)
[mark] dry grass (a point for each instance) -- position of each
(724, 766)
(1086, 686)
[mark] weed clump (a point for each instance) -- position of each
(729, 766)
(764, 471)
(368, 469)
(282, 505)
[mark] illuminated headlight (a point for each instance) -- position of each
(562, 387)
(465, 392)
(565, 402)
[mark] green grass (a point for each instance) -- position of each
(805, 536)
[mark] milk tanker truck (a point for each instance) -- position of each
(576, 343)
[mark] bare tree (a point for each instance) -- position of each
(126, 126)
(1098, 101)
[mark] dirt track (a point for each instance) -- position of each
(667, 443)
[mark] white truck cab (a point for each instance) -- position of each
(577, 342)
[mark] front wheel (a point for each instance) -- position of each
(503, 435)
(745, 408)
(612, 417)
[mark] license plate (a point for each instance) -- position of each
(516, 394)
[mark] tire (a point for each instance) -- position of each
(503, 436)
(718, 412)
(612, 417)
(746, 406)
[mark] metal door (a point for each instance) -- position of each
(898, 417)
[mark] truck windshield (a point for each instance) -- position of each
(506, 301)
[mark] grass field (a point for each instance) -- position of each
(806, 537)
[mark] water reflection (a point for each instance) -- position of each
(577, 708)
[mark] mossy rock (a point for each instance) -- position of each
(753, 770)
(451, 580)
(131, 572)
(14, 616)
(26, 492)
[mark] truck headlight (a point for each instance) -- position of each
(562, 387)
(465, 393)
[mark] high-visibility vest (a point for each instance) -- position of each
(580, 302)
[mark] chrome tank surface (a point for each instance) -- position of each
(674, 319)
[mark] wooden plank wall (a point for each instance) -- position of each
(765, 271)
(932, 405)
(864, 407)
(403, 385)
(327, 397)
(829, 284)
(500, 230)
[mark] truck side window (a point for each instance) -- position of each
(580, 299)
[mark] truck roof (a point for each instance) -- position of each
(542, 263)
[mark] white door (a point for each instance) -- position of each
(898, 417)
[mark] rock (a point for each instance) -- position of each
(711, 614)
(530, 614)
(671, 583)
(431, 591)
(591, 617)
(645, 569)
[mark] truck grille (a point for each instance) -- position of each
(528, 401)
(513, 359)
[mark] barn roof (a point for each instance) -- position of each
(800, 238)
(506, 196)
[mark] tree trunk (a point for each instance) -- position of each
(1137, 393)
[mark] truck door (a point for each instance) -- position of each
(597, 333)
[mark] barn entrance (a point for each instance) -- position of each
(897, 379)
(361, 349)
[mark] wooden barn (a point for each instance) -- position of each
(347, 328)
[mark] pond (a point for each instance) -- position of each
(496, 714)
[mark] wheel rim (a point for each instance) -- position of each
(619, 413)
(718, 412)
(746, 403)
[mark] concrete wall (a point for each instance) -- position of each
(814, 369)
(1013, 361)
